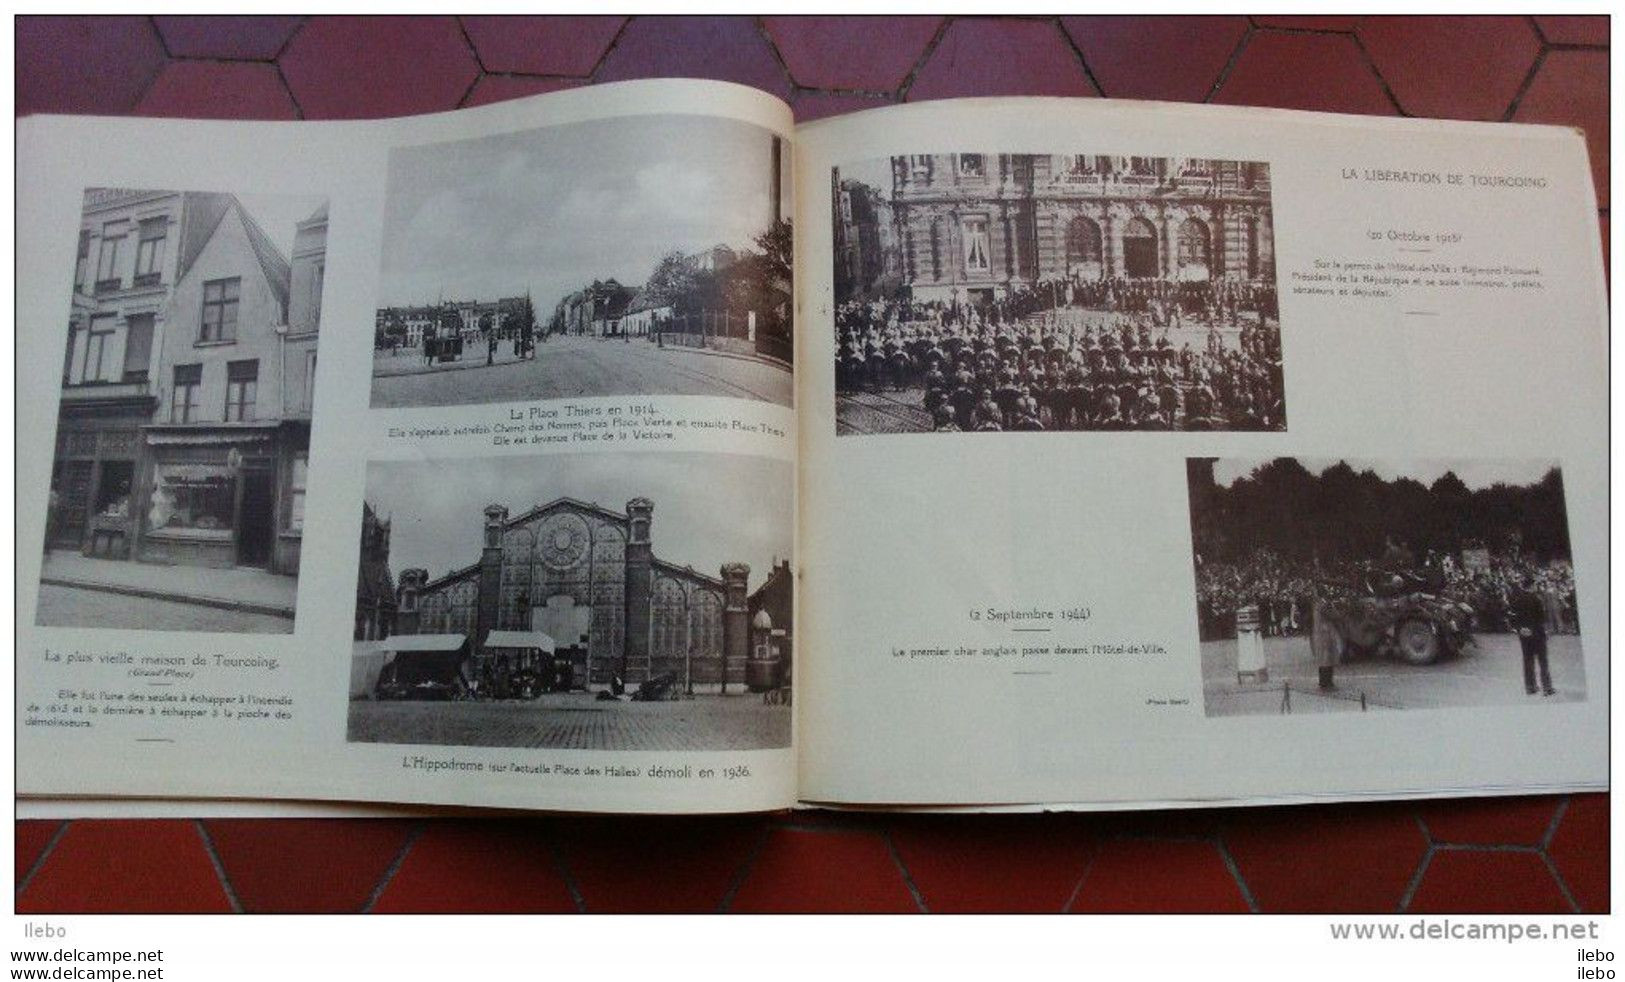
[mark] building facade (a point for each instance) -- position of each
(188, 383)
(972, 227)
(588, 578)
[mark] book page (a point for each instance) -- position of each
(1171, 454)
(444, 460)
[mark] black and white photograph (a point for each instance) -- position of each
(1000, 291)
(642, 255)
(1350, 585)
(177, 498)
(583, 602)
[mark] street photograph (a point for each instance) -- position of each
(594, 602)
(1373, 585)
(644, 255)
(177, 498)
(995, 291)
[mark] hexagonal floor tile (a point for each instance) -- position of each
(994, 863)
(1574, 28)
(31, 838)
(245, 38)
(126, 866)
(1292, 22)
(1580, 850)
(1323, 72)
(499, 88)
(342, 67)
(1490, 821)
(313, 866)
(816, 105)
(986, 57)
(1173, 58)
(870, 53)
(1349, 858)
(1489, 883)
(823, 872)
(542, 45)
(84, 64)
(1571, 88)
(218, 90)
(479, 866)
(1151, 876)
(729, 49)
(1452, 67)
(665, 864)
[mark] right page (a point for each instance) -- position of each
(1174, 454)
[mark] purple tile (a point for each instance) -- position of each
(870, 53)
(817, 105)
(1452, 67)
(542, 45)
(1171, 58)
(363, 67)
(987, 57)
(84, 64)
(500, 88)
(1574, 28)
(218, 90)
(1571, 89)
(729, 49)
(232, 38)
(1324, 72)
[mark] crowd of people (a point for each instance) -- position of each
(1105, 361)
(1284, 591)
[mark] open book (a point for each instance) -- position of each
(634, 449)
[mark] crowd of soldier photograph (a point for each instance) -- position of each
(177, 498)
(1327, 585)
(1029, 292)
(641, 255)
(607, 601)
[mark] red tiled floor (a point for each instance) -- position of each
(994, 863)
(1580, 850)
(870, 53)
(1147, 876)
(338, 861)
(358, 67)
(1175, 58)
(1488, 882)
(542, 45)
(1571, 89)
(1574, 28)
(478, 866)
(1312, 860)
(1309, 23)
(987, 57)
(1490, 821)
(803, 871)
(816, 105)
(1323, 72)
(84, 64)
(31, 839)
(657, 865)
(1167, 823)
(218, 90)
(1452, 67)
(496, 88)
(730, 49)
(106, 867)
(232, 38)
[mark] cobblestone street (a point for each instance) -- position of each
(573, 367)
(575, 721)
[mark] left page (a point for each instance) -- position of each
(443, 460)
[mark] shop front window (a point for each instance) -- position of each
(192, 497)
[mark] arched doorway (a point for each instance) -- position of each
(1083, 248)
(1140, 249)
(1195, 250)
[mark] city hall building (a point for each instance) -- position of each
(588, 578)
(971, 227)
